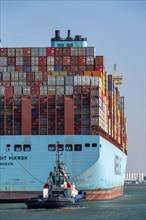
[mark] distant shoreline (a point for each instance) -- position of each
(134, 184)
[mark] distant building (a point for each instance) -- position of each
(139, 177)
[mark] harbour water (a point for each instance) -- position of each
(131, 206)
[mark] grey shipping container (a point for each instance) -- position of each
(11, 52)
(6, 76)
(3, 61)
(34, 61)
(2, 90)
(34, 52)
(17, 90)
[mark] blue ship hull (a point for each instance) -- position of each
(97, 166)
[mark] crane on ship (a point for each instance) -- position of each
(118, 79)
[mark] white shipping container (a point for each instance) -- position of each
(90, 51)
(26, 90)
(14, 76)
(2, 90)
(19, 61)
(69, 90)
(95, 81)
(69, 80)
(22, 76)
(34, 52)
(19, 52)
(17, 90)
(50, 61)
(6, 76)
(74, 51)
(14, 83)
(11, 52)
(94, 121)
(3, 61)
(51, 80)
(81, 51)
(3, 68)
(60, 90)
(34, 68)
(43, 90)
(38, 76)
(34, 61)
(22, 83)
(89, 60)
(11, 68)
(42, 51)
(86, 80)
(50, 68)
(60, 80)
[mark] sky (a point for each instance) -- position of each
(115, 28)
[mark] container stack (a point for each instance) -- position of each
(46, 81)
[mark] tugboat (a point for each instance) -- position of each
(59, 191)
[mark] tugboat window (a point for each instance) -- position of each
(87, 145)
(17, 147)
(27, 147)
(78, 147)
(68, 147)
(94, 145)
(51, 147)
(60, 147)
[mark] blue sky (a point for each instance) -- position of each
(115, 28)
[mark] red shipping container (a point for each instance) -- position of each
(81, 60)
(3, 52)
(19, 68)
(74, 68)
(58, 61)
(42, 61)
(74, 60)
(30, 77)
(96, 68)
(58, 51)
(38, 83)
(50, 51)
(99, 60)
(45, 75)
(5, 83)
(67, 68)
(81, 67)
(66, 51)
(9, 91)
(42, 68)
(26, 52)
(26, 61)
(11, 61)
(66, 61)
(89, 67)
(35, 90)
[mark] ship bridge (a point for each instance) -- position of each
(77, 41)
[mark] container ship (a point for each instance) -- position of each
(60, 97)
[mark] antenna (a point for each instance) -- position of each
(118, 79)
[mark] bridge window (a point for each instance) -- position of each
(51, 147)
(27, 147)
(94, 145)
(87, 145)
(60, 147)
(68, 147)
(77, 147)
(18, 147)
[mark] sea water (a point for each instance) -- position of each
(131, 206)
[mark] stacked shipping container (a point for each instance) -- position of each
(56, 84)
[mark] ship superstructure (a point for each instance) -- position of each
(60, 94)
